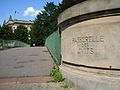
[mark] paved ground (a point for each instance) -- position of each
(25, 62)
(25, 65)
(35, 86)
(27, 69)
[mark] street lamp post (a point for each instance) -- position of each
(29, 38)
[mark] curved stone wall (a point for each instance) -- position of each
(90, 34)
(93, 43)
(88, 6)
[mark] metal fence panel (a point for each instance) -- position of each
(53, 43)
(12, 44)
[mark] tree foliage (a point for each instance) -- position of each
(21, 34)
(6, 32)
(44, 24)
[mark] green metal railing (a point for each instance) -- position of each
(12, 44)
(53, 43)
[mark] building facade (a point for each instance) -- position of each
(15, 23)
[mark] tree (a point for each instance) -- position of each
(0, 27)
(0, 31)
(6, 32)
(44, 24)
(21, 34)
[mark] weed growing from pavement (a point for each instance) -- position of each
(67, 85)
(56, 74)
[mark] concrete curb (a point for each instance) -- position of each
(89, 81)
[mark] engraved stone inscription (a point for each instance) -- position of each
(86, 43)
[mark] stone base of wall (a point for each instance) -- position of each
(85, 80)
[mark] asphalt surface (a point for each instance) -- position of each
(27, 69)
(25, 62)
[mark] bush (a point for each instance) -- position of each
(57, 75)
